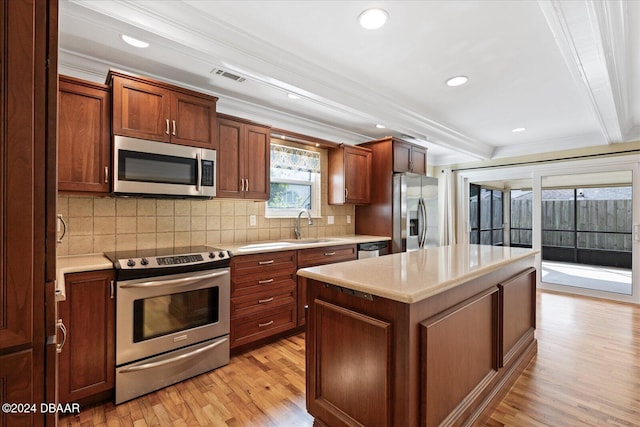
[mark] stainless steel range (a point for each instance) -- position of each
(172, 316)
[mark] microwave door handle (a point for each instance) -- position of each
(199, 179)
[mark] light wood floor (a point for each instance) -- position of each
(586, 373)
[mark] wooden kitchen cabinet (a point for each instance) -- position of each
(84, 136)
(389, 155)
(349, 175)
(263, 296)
(149, 109)
(409, 158)
(87, 360)
(243, 159)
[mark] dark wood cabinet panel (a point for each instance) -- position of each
(352, 356)
(349, 175)
(409, 158)
(148, 109)
(141, 110)
(243, 159)
(17, 378)
(28, 123)
(518, 300)
(193, 121)
(264, 324)
(87, 361)
(459, 351)
(84, 136)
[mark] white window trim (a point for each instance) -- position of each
(293, 213)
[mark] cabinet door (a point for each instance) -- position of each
(401, 156)
(257, 160)
(84, 117)
(141, 110)
(87, 361)
(16, 377)
(193, 121)
(228, 182)
(357, 175)
(418, 160)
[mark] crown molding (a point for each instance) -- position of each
(251, 57)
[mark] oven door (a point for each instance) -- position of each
(160, 314)
(149, 167)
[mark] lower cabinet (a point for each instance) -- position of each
(263, 296)
(87, 360)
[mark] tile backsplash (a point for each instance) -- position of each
(103, 224)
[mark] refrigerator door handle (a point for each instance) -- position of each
(422, 220)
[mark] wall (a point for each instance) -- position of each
(104, 224)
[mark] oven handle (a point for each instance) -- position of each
(180, 282)
(152, 365)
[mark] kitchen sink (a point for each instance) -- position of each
(279, 244)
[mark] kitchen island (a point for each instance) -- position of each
(424, 338)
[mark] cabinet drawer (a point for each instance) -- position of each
(260, 263)
(249, 284)
(252, 328)
(260, 301)
(326, 255)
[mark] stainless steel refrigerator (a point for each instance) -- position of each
(415, 212)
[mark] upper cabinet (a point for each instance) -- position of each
(243, 159)
(148, 109)
(349, 175)
(409, 158)
(84, 117)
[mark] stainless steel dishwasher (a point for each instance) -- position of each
(372, 249)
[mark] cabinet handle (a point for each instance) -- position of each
(174, 127)
(410, 165)
(167, 126)
(265, 262)
(63, 328)
(264, 301)
(264, 282)
(111, 290)
(106, 174)
(262, 325)
(247, 184)
(329, 253)
(242, 185)
(346, 193)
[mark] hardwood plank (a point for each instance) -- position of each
(586, 372)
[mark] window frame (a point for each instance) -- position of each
(314, 182)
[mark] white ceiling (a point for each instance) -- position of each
(567, 71)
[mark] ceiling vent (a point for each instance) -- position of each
(228, 75)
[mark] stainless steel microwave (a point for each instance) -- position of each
(143, 167)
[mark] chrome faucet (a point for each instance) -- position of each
(296, 229)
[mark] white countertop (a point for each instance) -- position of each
(92, 262)
(247, 248)
(76, 264)
(413, 276)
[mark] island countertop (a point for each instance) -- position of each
(410, 277)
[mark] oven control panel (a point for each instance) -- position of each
(168, 261)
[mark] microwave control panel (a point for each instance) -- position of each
(207, 173)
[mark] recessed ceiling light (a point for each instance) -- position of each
(133, 41)
(293, 96)
(516, 130)
(379, 126)
(457, 81)
(372, 19)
